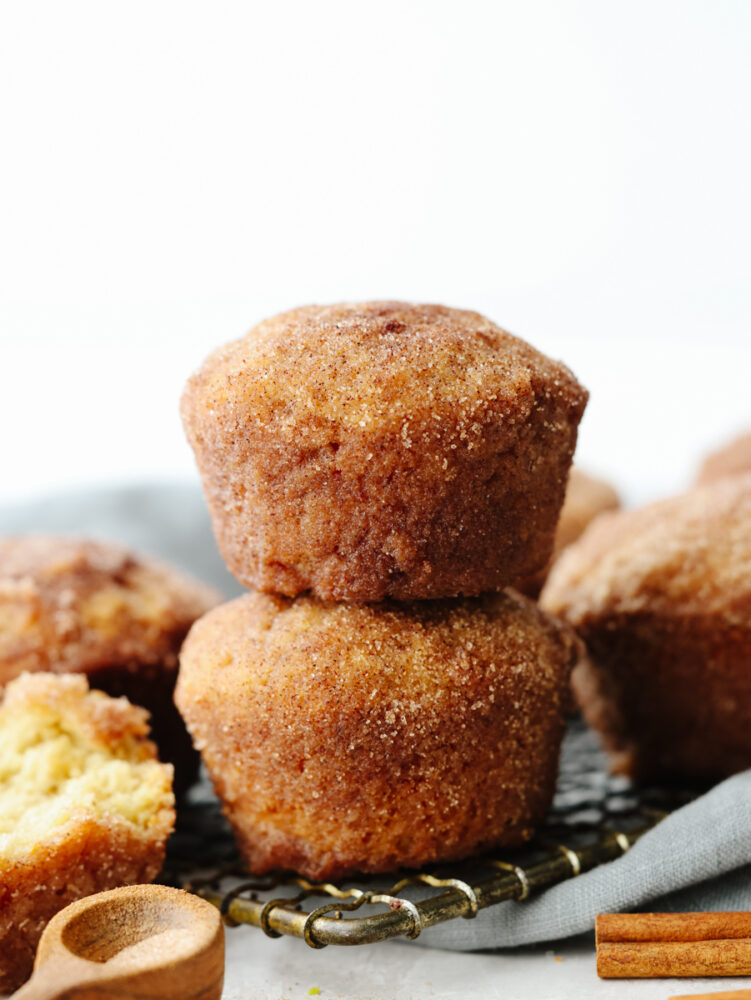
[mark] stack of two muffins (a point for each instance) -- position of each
(397, 466)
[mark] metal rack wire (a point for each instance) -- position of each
(594, 819)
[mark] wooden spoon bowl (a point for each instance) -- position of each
(148, 942)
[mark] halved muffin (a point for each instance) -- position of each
(85, 805)
(74, 605)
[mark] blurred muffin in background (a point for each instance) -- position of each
(729, 460)
(662, 598)
(586, 497)
(70, 605)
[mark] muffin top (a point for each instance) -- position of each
(586, 497)
(689, 555)
(69, 604)
(730, 460)
(411, 650)
(383, 364)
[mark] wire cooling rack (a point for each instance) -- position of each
(595, 818)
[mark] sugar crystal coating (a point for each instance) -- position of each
(382, 449)
(662, 598)
(346, 738)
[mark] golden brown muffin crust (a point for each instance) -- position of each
(112, 723)
(688, 555)
(74, 605)
(369, 737)
(94, 857)
(382, 449)
(662, 598)
(88, 851)
(383, 363)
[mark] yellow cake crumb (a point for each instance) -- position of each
(85, 805)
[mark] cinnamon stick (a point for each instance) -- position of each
(655, 945)
(722, 995)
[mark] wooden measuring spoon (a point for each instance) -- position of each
(148, 942)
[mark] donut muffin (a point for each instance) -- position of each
(84, 806)
(662, 598)
(345, 738)
(70, 605)
(382, 450)
(586, 497)
(731, 459)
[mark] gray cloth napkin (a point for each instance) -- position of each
(699, 858)
(169, 520)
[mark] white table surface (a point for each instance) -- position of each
(259, 968)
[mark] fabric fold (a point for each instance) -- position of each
(697, 858)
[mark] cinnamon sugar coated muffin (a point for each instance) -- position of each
(345, 738)
(382, 450)
(730, 460)
(72, 605)
(662, 598)
(586, 498)
(84, 806)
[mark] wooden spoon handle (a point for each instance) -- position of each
(140, 942)
(51, 983)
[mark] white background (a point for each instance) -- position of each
(171, 172)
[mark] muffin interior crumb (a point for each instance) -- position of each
(52, 771)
